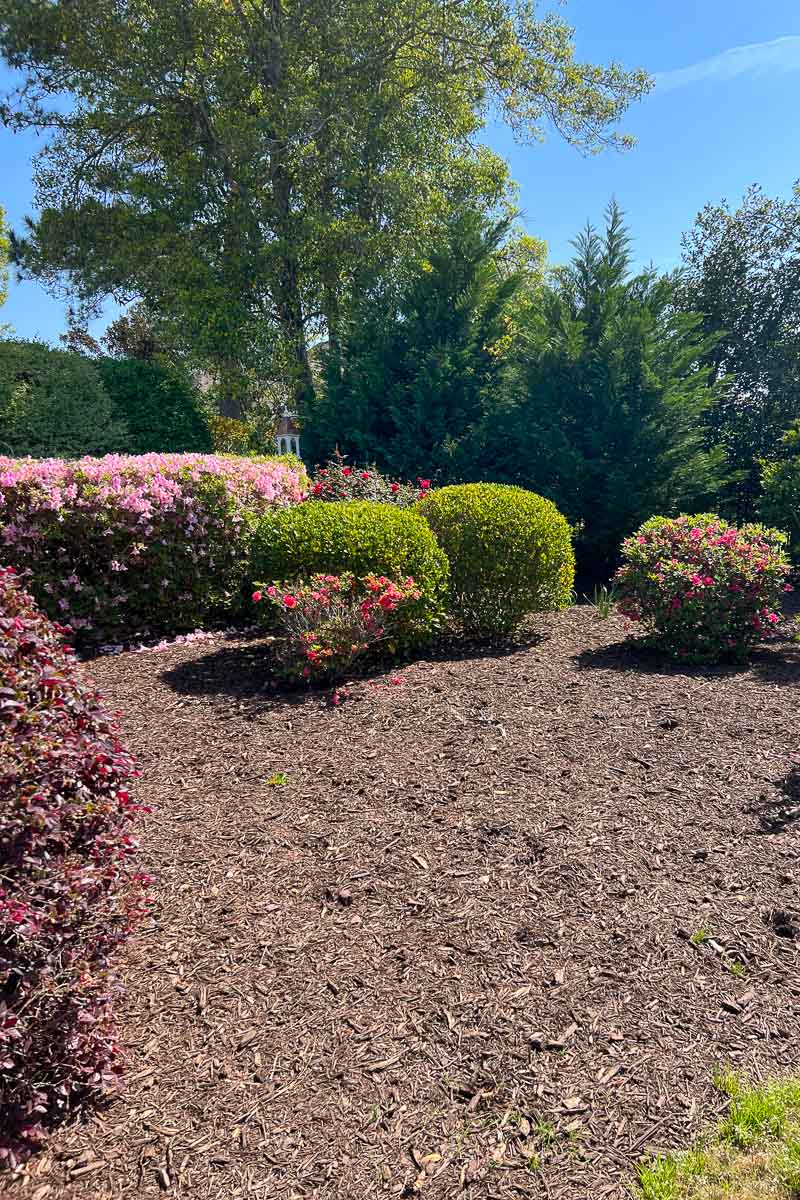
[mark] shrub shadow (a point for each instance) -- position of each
(246, 672)
(779, 810)
(633, 655)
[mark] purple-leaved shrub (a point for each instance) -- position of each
(70, 890)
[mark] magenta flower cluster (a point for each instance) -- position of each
(70, 889)
(328, 621)
(703, 590)
(133, 546)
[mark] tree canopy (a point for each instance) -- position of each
(605, 402)
(247, 167)
(741, 270)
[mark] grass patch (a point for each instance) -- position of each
(754, 1153)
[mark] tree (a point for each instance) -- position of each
(247, 167)
(4, 249)
(605, 405)
(741, 270)
(52, 404)
(409, 381)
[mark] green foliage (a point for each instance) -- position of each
(606, 400)
(510, 553)
(740, 271)
(248, 178)
(416, 369)
(780, 500)
(157, 404)
(359, 537)
(53, 404)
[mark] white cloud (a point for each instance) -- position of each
(778, 56)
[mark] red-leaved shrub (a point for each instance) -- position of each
(70, 892)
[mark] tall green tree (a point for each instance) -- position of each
(741, 270)
(247, 167)
(606, 405)
(409, 382)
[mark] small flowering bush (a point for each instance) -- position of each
(70, 892)
(127, 546)
(358, 537)
(704, 590)
(338, 481)
(329, 621)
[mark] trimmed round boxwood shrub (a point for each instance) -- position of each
(703, 590)
(158, 405)
(70, 892)
(134, 546)
(362, 538)
(510, 554)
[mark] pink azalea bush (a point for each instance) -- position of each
(119, 547)
(328, 621)
(704, 590)
(70, 891)
(339, 481)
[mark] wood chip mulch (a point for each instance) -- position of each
(491, 939)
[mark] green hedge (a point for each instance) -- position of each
(158, 405)
(53, 404)
(358, 536)
(510, 553)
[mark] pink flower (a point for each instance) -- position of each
(395, 488)
(365, 474)
(256, 596)
(272, 590)
(642, 540)
(772, 618)
(396, 680)
(424, 484)
(347, 470)
(290, 601)
(787, 587)
(695, 533)
(697, 579)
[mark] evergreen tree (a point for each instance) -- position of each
(411, 378)
(608, 401)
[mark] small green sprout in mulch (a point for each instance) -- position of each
(279, 779)
(754, 1153)
(700, 936)
(604, 600)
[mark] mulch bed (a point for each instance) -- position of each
(452, 956)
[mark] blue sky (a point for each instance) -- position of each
(724, 114)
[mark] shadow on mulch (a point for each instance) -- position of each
(245, 672)
(628, 656)
(779, 810)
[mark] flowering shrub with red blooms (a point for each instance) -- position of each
(338, 481)
(70, 892)
(119, 546)
(328, 621)
(704, 590)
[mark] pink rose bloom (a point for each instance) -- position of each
(290, 601)
(347, 471)
(697, 579)
(365, 474)
(695, 533)
(272, 590)
(256, 596)
(772, 618)
(395, 487)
